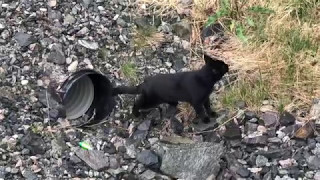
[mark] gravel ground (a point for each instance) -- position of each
(43, 41)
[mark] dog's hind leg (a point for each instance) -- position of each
(207, 106)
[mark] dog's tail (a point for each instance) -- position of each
(125, 90)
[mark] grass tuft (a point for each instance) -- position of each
(129, 71)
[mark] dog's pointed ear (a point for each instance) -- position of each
(207, 59)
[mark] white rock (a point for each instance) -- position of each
(89, 45)
(24, 82)
(317, 176)
(287, 163)
(73, 66)
(52, 3)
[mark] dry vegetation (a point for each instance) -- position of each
(276, 49)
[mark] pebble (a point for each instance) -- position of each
(317, 176)
(24, 82)
(73, 66)
(261, 161)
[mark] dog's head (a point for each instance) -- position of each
(216, 65)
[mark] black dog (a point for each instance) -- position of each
(193, 87)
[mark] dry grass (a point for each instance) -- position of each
(274, 45)
(147, 37)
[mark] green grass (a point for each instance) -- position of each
(252, 93)
(129, 71)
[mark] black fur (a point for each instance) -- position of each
(193, 87)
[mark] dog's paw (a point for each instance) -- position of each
(136, 113)
(213, 114)
(206, 120)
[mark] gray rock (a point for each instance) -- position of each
(86, 2)
(88, 44)
(251, 127)
(83, 31)
(270, 118)
(56, 55)
(34, 143)
(121, 22)
(315, 112)
(95, 159)
(286, 119)
(317, 176)
(313, 162)
(233, 131)
(148, 175)
(258, 140)
(182, 29)
(274, 140)
(114, 164)
(69, 19)
(190, 161)
(149, 159)
(248, 115)
(58, 146)
(74, 159)
(261, 161)
(24, 39)
(243, 172)
(268, 176)
(144, 126)
(2, 172)
(29, 175)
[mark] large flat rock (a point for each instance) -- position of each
(190, 161)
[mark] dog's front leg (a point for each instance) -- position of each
(200, 110)
(137, 105)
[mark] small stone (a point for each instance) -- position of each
(52, 3)
(258, 140)
(287, 163)
(243, 172)
(148, 175)
(83, 31)
(261, 161)
(249, 115)
(266, 108)
(317, 176)
(251, 127)
(233, 131)
(286, 119)
(69, 19)
(305, 131)
(313, 162)
(24, 39)
(73, 66)
(270, 118)
(274, 140)
(149, 159)
(169, 50)
(121, 22)
(95, 159)
(309, 174)
(29, 175)
(89, 45)
(56, 55)
(14, 170)
(262, 129)
(24, 82)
